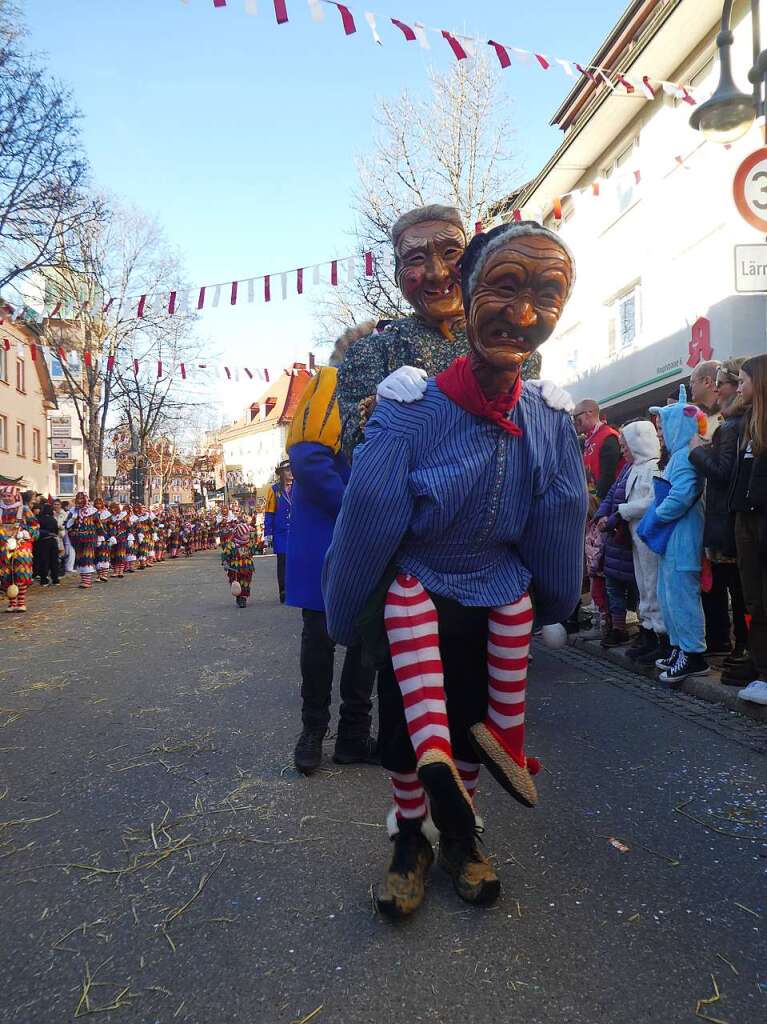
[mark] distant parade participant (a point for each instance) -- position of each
(119, 540)
(131, 540)
(161, 531)
(102, 553)
(277, 520)
(186, 537)
(18, 532)
(83, 531)
(143, 530)
(237, 555)
(173, 536)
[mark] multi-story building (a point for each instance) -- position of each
(652, 220)
(255, 444)
(26, 397)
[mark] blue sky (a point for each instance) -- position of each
(240, 135)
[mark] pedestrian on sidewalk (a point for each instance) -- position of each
(642, 446)
(748, 500)
(717, 462)
(618, 568)
(321, 472)
(48, 547)
(677, 518)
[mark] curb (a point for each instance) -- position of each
(708, 688)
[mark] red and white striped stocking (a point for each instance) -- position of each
(508, 646)
(86, 579)
(409, 796)
(21, 600)
(469, 773)
(412, 627)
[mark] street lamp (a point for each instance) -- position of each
(729, 114)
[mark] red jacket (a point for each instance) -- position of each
(604, 471)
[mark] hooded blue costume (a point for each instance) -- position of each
(680, 563)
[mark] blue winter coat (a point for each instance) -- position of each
(319, 481)
(619, 554)
(683, 505)
(277, 518)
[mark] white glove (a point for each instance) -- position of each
(24, 535)
(407, 384)
(553, 395)
(99, 540)
(112, 541)
(131, 538)
(140, 538)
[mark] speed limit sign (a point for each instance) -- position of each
(750, 190)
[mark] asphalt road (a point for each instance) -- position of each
(160, 855)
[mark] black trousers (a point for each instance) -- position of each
(753, 575)
(726, 590)
(47, 559)
(463, 646)
(317, 657)
(281, 559)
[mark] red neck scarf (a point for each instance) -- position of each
(462, 387)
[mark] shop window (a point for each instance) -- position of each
(66, 476)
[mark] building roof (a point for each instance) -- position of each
(285, 393)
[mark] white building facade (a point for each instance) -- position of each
(653, 223)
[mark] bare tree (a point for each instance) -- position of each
(122, 256)
(43, 169)
(452, 146)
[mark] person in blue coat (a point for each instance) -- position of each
(277, 520)
(320, 474)
(679, 590)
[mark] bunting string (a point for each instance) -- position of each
(464, 46)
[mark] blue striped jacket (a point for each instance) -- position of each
(473, 512)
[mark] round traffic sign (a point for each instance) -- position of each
(750, 189)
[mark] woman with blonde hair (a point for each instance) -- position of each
(748, 500)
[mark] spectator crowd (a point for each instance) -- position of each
(676, 529)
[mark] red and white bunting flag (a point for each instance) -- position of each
(280, 11)
(647, 88)
(141, 305)
(334, 272)
(523, 56)
(267, 289)
(228, 373)
(216, 296)
(478, 228)
(107, 307)
(347, 19)
(59, 352)
(316, 11)
(406, 30)
(370, 18)
(33, 351)
(420, 33)
(311, 361)
(455, 46)
(7, 346)
(688, 98)
(110, 363)
(201, 298)
(251, 7)
(637, 177)
(607, 80)
(517, 215)
(266, 376)
(159, 368)
(300, 281)
(56, 309)
(566, 67)
(172, 303)
(182, 367)
(284, 285)
(626, 84)
(219, 3)
(595, 188)
(368, 264)
(135, 367)
(543, 60)
(350, 269)
(585, 71)
(316, 274)
(252, 289)
(233, 295)
(557, 209)
(503, 54)
(250, 375)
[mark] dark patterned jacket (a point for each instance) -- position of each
(406, 342)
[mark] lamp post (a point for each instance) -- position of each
(729, 114)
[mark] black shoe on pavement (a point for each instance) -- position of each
(685, 665)
(719, 650)
(667, 661)
(404, 886)
(645, 642)
(739, 656)
(616, 638)
(474, 877)
(307, 756)
(361, 751)
(242, 601)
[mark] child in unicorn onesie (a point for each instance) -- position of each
(680, 562)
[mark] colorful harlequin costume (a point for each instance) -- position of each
(237, 557)
(143, 533)
(320, 474)
(83, 528)
(119, 540)
(18, 532)
(103, 552)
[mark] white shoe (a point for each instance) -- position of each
(755, 693)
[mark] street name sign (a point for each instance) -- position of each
(751, 268)
(750, 190)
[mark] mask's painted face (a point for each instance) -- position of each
(81, 500)
(114, 508)
(518, 299)
(428, 274)
(99, 504)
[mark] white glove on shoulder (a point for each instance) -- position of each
(407, 384)
(554, 396)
